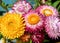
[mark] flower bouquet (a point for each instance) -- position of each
(27, 23)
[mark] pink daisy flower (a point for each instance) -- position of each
(51, 27)
(21, 7)
(33, 21)
(37, 38)
(58, 25)
(46, 10)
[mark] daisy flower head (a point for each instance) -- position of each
(51, 27)
(46, 10)
(21, 7)
(12, 25)
(37, 38)
(0, 22)
(33, 21)
(0, 18)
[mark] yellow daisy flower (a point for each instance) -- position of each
(0, 18)
(12, 25)
(0, 21)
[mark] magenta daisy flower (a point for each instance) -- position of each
(37, 38)
(33, 21)
(46, 10)
(51, 27)
(21, 7)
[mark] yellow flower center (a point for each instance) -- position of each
(47, 12)
(33, 19)
(11, 25)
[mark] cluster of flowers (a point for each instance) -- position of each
(22, 21)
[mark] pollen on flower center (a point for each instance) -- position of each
(10, 25)
(47, 12)
(33, 19)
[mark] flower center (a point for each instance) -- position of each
(11, 25)
(47, 12)
(33, 19)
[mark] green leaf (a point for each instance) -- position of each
(46, 40)
(55, 4)
(49, 0)
(48, 3)
(3, 5)
(58, 8)
(10, 5)
(0, 36)
(37, 3)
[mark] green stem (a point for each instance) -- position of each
(30, 41)
(4, 6)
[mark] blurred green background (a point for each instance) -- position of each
(7, 4)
